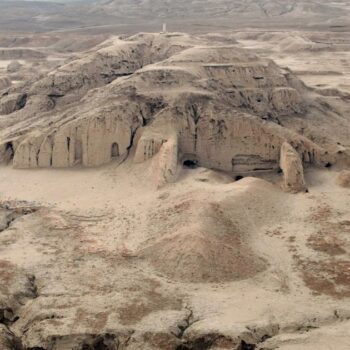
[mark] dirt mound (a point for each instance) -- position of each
(206, 247)
(343, 178)
(13, 67)
(297, 43)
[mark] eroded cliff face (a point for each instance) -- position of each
(91, 142)
(213, 136)
(220, 103)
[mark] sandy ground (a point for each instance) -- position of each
(117, 211)
(321, 59)
(113, 255)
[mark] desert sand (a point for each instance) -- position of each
(111, 257)
(175, 190)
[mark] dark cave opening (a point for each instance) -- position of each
(239, 177)
(246, 346)
(114, 150)
(190, 163)
(9, 152)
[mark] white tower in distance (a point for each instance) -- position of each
(164, 28)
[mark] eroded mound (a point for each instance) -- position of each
(222, 105)
(203, 244)
(343, 178)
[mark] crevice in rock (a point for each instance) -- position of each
(187, 322)
(9, 339)
(195, 114)
(7, 223)
(22, 101)
(144, 120)
(55, 95)
(68, 143)
(13, 213)
(133, 133)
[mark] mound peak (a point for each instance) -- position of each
(206, 246)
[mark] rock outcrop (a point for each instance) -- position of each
(8, 340)
(12, 103)
(292, 167)
(222, 103)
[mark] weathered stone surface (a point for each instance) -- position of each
(12, 103)
(292, 167)
(8, 340)
(4, 82)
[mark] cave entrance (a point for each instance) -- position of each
(190, 163)
(114, 150)
(239, 177)
(9, 152)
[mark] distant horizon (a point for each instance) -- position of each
(59, 1)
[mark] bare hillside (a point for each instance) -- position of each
(136, 15)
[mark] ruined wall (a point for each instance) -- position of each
(216, 99)
(221, 143)
(292, 167)
(237, 142)
(166, 163)
(148, 146)
(90, 142)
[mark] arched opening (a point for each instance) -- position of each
(190, 163)
(114, 150)
(328, 165)
(239, 177)
(9, 152)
